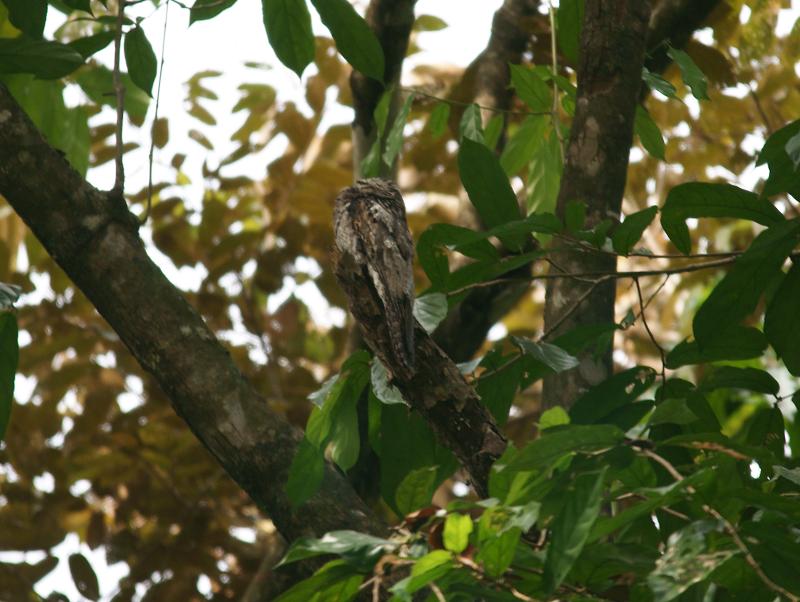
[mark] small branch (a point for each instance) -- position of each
(642, 307)
(119, 92)
(575, 306)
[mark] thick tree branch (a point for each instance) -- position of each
(93, 237)
(612, 52)
(436, 388)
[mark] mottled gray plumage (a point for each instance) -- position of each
(369, 223)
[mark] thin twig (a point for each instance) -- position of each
(459, 103)
(761, 111)
(119, 91)
(652, 336)
(726, 524)
(149, 206)
(575, 306)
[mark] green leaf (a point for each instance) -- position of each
(428, 23)
(84, 577)
(700, 199)
(575, 215)
(91, 44)
(497, 552)
(672, 411)
(521, 147)
(793, 150)
(782, 321)
(531, 88)
(354, 38)
(359, 549)
(46, 60)
(430, 310)
(28, 16)
(9, 358)
(658, 83)
(686, 561)
(497, 390)
(752, 379)
(83, 5)
(288, 26)
(471, 126)
(208, 9)
(690, 72)
(489, 189)
(98, 84)
(141, 60)
(556, 416)
(394, 140)
(430, 567)
(552, 356)
(457, 528)
(630, 230)
(648, 132)
(782, 166)
(494, 128)
(335, 575)
(738, 293)
(370, 165)
(559, 441)
(544, 175)
(613, 393)
(437, 122)
(572, 525)
(9, 293)
(305, 473)
(735, 343)
(416, 489)
(383, 389)
(569, 19)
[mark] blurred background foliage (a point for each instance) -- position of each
(94, 449)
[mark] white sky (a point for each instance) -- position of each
(225, 43)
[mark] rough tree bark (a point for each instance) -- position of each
(93, 237)
(612, 52)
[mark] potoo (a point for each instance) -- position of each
(369, 224)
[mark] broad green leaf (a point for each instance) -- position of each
(89, 45)
(28, 16)
(428, 23)
(305, 473)
(493, 130)
(792, 149)
(572, 525)
(359, 549)
(658, 83)
(488, 188)
(575, 216)
(497, 390)
(521, 147)
(544, 175)
(735, 343)
(9, 357)
(354, 38)
(687, 560)
(383, 389)
(430, 309)
(783, 175)
(690, 72)
(531, 88)
(672, 411)
(649, 133)
(98, 83)
(556, 416)
(416, 489)
(471, 125)
(782, 321)
(457, 528)
(569, 20)
(288, 26)
(496, 553)
(628, 233)
(430, 567)
(552, 356)
(615, 392)
(775, 146)
(559, 441)
(433, 258)
(701, 199)
(83, 5)
(371, 163)
(738, 293)
(751, 379)
(84, 577)
(394, 140)
(141, 60)
(208, 9)
(334, 574)
(437, 122)
(468, 242)
(45, 60)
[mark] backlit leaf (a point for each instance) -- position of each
(288, 26)
(141, 59)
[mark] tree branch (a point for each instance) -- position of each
(609, 79)
(93, 237)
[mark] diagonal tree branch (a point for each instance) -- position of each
(612, 52)
(93, 237)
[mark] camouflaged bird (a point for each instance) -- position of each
(369, 223)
